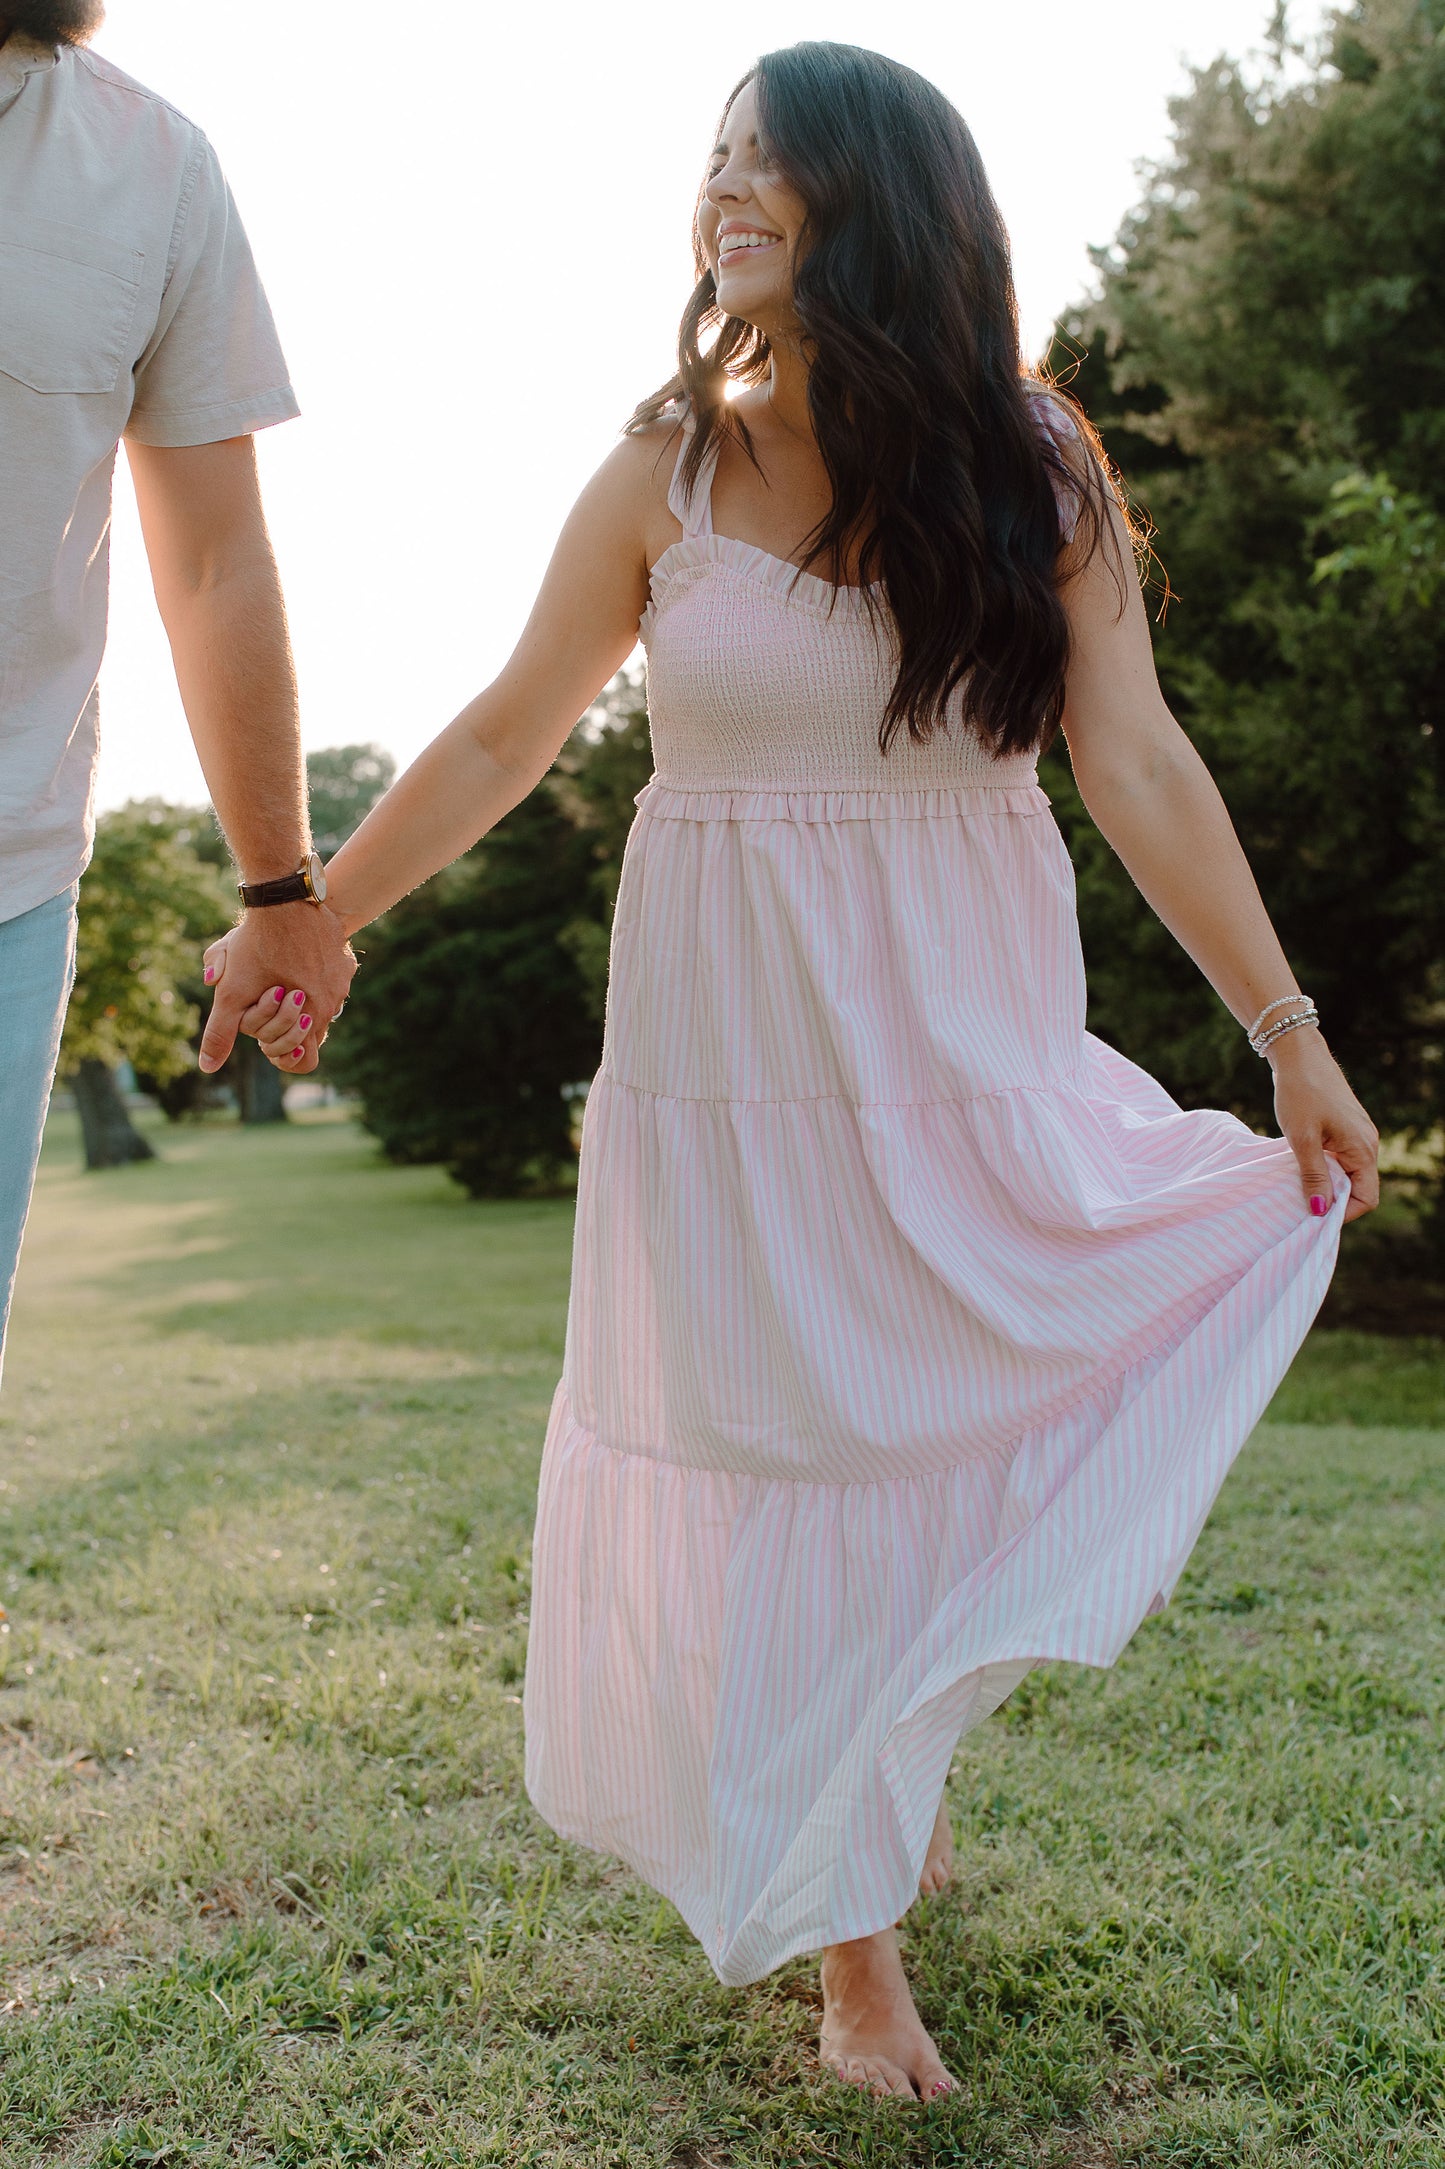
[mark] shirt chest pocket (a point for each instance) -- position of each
(68, 302)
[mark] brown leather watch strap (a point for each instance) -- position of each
(306, 886)
(290, 889)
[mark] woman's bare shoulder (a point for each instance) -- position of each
(634, 476)
(641, 466)
(655, 445)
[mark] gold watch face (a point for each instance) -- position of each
(316, 875)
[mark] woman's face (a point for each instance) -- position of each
(750, 221)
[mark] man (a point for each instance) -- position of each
(130, 306)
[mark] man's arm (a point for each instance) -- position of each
(220, 599)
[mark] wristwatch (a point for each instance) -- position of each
(306, 886)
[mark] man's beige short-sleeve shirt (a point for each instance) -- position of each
(129, 304)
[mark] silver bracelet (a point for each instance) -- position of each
(1270, 1008)
(1266, 1040)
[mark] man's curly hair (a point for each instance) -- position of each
(52, 22)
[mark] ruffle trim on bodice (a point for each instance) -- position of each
(744, 559)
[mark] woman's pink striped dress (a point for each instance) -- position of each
(913, 1330)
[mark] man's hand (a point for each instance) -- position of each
(298, 947)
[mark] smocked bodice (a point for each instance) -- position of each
(764, 678)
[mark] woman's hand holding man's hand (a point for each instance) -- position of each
(281, 1026)
(284, 986)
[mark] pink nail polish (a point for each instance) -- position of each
(305, 1024)
(298, 997)
(210, 973)
(278, 994)
(1319, 1206)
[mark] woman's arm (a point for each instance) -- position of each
(582, 629)
(1156, 804)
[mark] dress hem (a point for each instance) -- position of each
(1070, 1582)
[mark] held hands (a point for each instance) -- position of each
(284, 1029)
(291, 958)
(1318, 1115)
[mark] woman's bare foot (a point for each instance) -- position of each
(938, 1862)
(872, 2034)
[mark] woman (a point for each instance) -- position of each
(913, 1330)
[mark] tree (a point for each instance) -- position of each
(480, 1001)
(1393, 539)
(596, 780)
(344, 783)
(146, 902)
(1265, 357)
(187, 1092)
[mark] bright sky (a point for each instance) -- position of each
(476, 246)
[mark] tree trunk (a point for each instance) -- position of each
(111, 1138)
(259, 1085)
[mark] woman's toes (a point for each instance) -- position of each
(934, 2083)
(873, 2075)
(938, 1860)
(885, 2078)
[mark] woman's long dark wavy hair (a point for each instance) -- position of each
(943, 482)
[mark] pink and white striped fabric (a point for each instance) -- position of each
(913, 1330)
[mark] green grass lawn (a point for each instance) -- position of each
(270, 1890)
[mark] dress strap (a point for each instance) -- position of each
(692, 509)
(1052, 420)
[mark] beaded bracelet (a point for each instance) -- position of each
(1269, 1009)
(1262, 1041)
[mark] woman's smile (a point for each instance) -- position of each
(737, 242)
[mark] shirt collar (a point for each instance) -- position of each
(20, 57)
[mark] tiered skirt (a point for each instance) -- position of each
(913, 1332)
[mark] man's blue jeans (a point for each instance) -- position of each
(37, 965)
